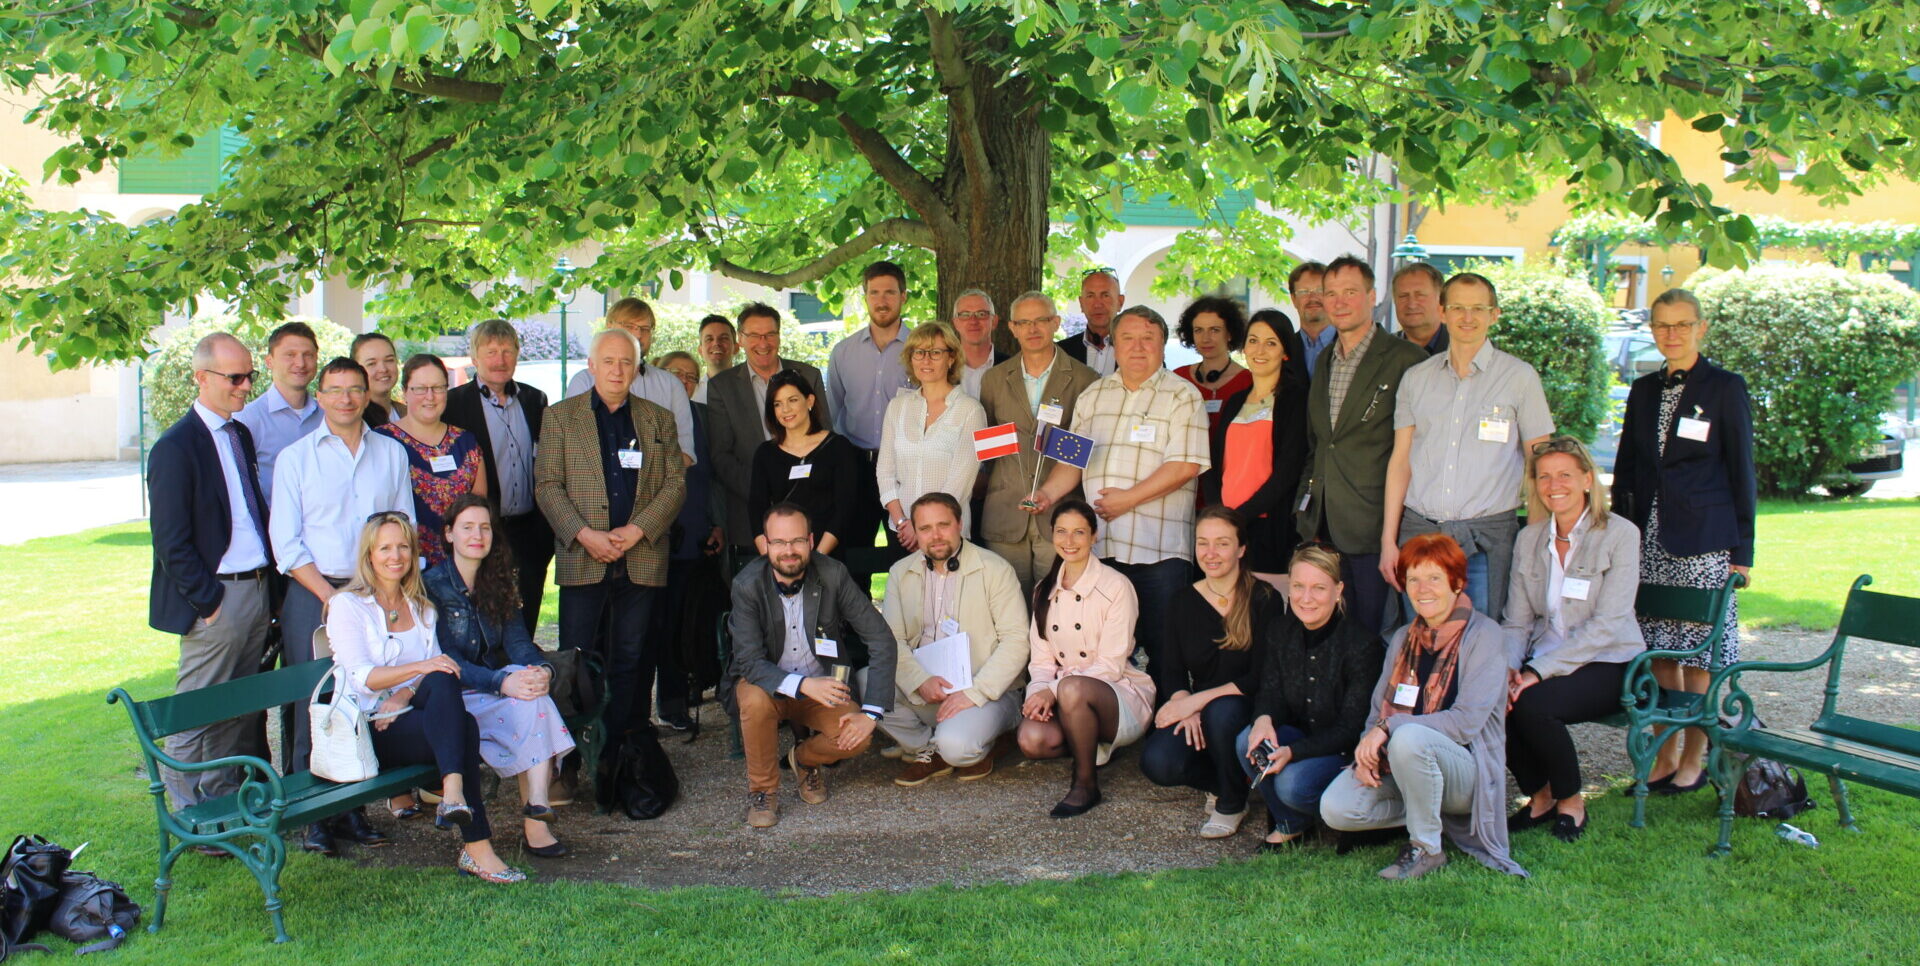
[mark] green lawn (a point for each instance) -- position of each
(1807, 555)
(75, 626)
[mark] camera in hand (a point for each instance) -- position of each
(1262, 756)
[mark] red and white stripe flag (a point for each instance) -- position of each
(995, 442)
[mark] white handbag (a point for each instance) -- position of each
(342, 733)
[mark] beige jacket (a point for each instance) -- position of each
(989, 609)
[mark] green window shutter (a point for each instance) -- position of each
(808, 310)
(193, 171)
(1163, 211)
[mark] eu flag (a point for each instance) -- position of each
(1067, 447)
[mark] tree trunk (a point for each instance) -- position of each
(1001, 242)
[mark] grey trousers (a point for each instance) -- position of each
(300, 616)
(1031, 556)
(212, 654)
(1429, 774)
(964, 739)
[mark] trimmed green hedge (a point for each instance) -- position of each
(168, 378)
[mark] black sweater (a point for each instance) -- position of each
(827, 492)
(1195, 659)
(1320, 682)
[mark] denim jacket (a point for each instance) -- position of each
(468, 637)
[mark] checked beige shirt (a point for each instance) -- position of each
(1133, 433)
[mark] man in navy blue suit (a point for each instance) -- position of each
(212, 558)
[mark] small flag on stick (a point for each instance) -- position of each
(1069, 448)
(995, 442)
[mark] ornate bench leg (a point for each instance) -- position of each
(265, 860)
(163, 882)
(1726, 767)
(1839, 789)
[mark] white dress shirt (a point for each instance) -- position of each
(917, 459)
(324, 493)
(244, 550)
(657, 386)
(357, 631)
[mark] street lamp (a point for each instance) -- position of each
(1666, 275)
(1411, 249)
(564, 269)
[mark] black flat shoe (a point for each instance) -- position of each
(1524, 819)
(553, 851)
(1068, 810)
(1657, 784)
(318, 839)
(447, 816)
(1671, 789)
(354, 827)
(540, 813)
(1564, 828)
(1345, 842)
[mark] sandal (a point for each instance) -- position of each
(404, 812)
(505, 876)
(1220, 826)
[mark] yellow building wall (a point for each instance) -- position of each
(1531, 226)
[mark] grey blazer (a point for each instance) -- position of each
(1599, 628)
(832, 604)
(736, 426)
(1003, 394)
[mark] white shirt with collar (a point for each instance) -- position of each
(324, 492)
(657, 386)
(1557, 571)
(244, 549)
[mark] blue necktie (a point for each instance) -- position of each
(254, 509)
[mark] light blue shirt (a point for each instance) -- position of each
(324, 493)
(861, 379)
(276, 425)
(657, 386)
(513, 451)
(1035, 385)
(244, 550)
(1312, 347)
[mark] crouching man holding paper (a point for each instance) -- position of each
(961, 624)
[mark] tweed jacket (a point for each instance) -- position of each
(1346, 477)
(1003, 393)
(1600, 626)
(571, 489)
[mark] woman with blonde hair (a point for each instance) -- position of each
(926, 437)
(381, 627)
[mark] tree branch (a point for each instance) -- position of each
(903, 231)
(887, 162)
(427, 84)
(963, 106)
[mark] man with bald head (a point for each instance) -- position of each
(610, 480)
(212, 558)
(1100, 302)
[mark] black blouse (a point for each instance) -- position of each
(1320, 681)
(829, 492)
(1195, 659)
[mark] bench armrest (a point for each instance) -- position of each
(260, 786)
(1737, 704)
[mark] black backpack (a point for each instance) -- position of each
(639, 781)
(1771, 790)
(39, 892)
(92, 910)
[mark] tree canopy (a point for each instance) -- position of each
(434, 148)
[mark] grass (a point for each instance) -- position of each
(1807, 555)
(74, 625)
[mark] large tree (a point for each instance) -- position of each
(433, 147)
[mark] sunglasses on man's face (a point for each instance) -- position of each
(235, 379)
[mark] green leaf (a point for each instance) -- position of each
(507, 41)
(1507, 72)
(1136, 96)
(423, 34)
(541, 8)
(1711, 122)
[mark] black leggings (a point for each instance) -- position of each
(1539, 750)
(440, 732)
(1167, 759)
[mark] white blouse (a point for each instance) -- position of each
(917, 459)
(357, 632)
(1557, 571)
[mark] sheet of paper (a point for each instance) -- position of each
(950, 658)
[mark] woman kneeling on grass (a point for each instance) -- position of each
(381, 626)
(505, 676)
(1086, 697)
(1433, 756)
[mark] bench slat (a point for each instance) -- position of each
(1680, 603)
(1904, 740)
(309, 797)
(1887, 618)
(231, 699)
(1851, 760)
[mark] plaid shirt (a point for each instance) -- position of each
(1133, 433)
(1340, 374)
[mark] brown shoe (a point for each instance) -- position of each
(1413, 863)
(813, 783)
(763, 809)
(922, 768)
(984, 767)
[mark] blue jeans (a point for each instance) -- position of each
(1293, 796)
(1155, 584)
(1167, 759)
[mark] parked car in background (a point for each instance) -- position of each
(1631, 352)
(1884, 460)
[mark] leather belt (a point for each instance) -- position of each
(257, 573)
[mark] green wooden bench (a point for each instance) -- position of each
(1842, 747)
(267, 803)
(1654, 715)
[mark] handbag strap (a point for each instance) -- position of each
(340, 685)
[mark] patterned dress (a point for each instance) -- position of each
(435, 489)
(516, 735)
(1706, 571)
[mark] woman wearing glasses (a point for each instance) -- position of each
(1575, 575)
(381, 626)
(804, 462)
(926, 437)
(1684, 476)
(443, 463)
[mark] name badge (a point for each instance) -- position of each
(1495, 430)
(1051, 414)
(1405, 695)
(1306, 497)
(1691, 428)
(630, 459)
(1575, 588)
(826, 647)
(800, 471)
(1142, 433)
(443, 464)
(1213, 406)
(949, 627)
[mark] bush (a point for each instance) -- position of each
(1822, 350)
(1555, 322)
(168, 379)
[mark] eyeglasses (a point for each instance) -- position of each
(342, 392)
(932, 353)
(797, 543)
(973, 316)
(1658, 328)
(1309, 293)
(427, 390)
(235, 378)
(388, 516)
(1473, 311)
(1036, 320)
(1559, 444)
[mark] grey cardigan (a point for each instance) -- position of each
(1601, 627)
(1478, 722)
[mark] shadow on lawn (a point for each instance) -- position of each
(129, 538)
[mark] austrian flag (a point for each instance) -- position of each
(995, 442)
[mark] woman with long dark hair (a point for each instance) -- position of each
(504, 675)
(1086, 697)
(804, 462)
(1260, 449)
